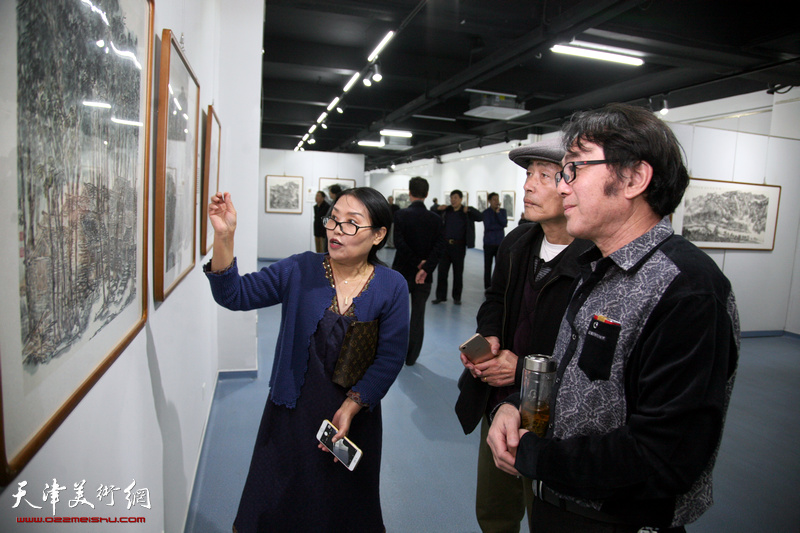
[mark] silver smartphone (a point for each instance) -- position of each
(348, 453)
(477, 349)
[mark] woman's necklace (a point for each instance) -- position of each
(349, 294)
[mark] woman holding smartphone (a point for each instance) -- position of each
(293, 483)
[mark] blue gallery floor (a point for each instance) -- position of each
(428, 469)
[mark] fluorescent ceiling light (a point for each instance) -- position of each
(597, 54)
(381, 46)
(322, 117)
(333, 103)
(374, 144)
(431, 117)
(396, 133)
(312, 129)
(352, 81)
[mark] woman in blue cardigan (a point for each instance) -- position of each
(293, 485)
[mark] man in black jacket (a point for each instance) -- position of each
(530, 289)
(459, 234)
(419, 242)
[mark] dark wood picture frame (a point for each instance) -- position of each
(728, 215)
(211, 160)
(99, 212)
(176, 168)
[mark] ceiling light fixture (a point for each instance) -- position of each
(324, 125)
(352, 81)
(374, 144)
(340, 108)
(322, 117)
(381, 46)
(376, 76)
(333, 103)
(396, 133)
(367, 79)
(311, 140)
(665, 109)
(312, 129)
(596, 54)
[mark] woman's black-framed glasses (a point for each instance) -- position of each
(348, 228)
(569, 174)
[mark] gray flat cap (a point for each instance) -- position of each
(547, 150)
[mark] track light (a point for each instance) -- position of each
(376, 73)
(333, 103)
(665, 109)
(311, 140)
(367, 79)
(324, 125)
(340, 108)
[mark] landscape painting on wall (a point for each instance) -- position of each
(284, 194)
(80, 81)
(728, 215)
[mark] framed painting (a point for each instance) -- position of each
(508, 199)
(176, 168)
(77, 89)
(284, 194)
(728, 215)
(400, 197)
(326, 183)
(210, 176)
(481, 200)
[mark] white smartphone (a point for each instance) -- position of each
(477, 349)
(348, 453)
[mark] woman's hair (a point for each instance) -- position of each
(380, 214)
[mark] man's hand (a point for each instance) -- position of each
(494, 344)
(504, 438)
(498, 371)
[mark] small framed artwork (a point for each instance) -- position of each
(728, 215)
(76, 137)
(326, 183)
(508, 199)
(401, 198)
(176, 168)
(481, 202)
(210, 176)
(284, 194)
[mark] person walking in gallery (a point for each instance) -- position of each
(419, 241)
(646, 352)
(334, 191)
(320, 211)
(336, 308)
(536, 267)
(459, 234)
(395, 208)
(495, 221)
(435, 206)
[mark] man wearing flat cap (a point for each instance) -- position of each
(529, 292)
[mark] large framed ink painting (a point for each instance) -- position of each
(75, 135)
(728, 215)
(176, 168)
(210, 176)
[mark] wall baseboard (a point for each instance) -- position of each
(236, 374)
(764, 333)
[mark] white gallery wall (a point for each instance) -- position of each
(145, 418)
(281, 235)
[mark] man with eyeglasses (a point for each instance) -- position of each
(419, 241)
(646, 351)
(529, 291)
